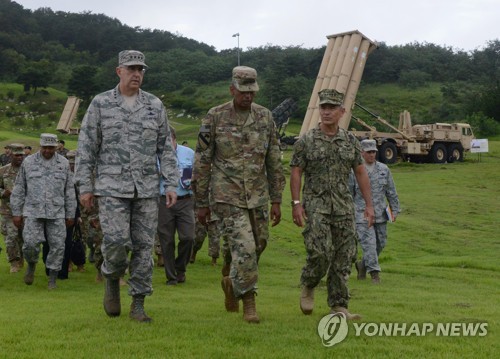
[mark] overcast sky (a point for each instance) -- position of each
(461, 24)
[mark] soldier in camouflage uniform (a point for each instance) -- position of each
(373, 239)
(325, 156)
(13, 236)
(239, 162)
(44, 195)
(123, 133)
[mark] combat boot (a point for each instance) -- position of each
(29, 276)
(361, 269)
(112, 305)
(231, 302)
(348, 315)
(98, 276)
(92, 255)
(307, 300)
(375, 277)
(160, 262)
(52, 279)
(249, 311)
(137, 309)
(15, 266)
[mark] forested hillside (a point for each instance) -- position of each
(77, 53)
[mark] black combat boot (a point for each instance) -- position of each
(137, 309)
(29, 277)
(52, 279)
(112, 305)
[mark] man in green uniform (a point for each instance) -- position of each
(325, 156)
(239, 162)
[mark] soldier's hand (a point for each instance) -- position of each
(87, 200)
(170, 199)
(203, 214)
(299, 215)
(275, 213)
(6, 193)
(370, 215)
(70, 222)
(18, 221)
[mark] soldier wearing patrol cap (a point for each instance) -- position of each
(43, 204)
(325, 155)
(239, 162)
(373, 239)
(123, 133)
(13, 236)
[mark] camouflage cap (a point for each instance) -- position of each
(331, 96)
(17, 148)
(131, 57)
(71, 155)
(245, 79)
(48, 139)
(369, 145)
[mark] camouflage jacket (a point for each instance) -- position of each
(326, 163)
(8, 176)
(238, 160)
(122, 147)
(382, 187)
(42, 191)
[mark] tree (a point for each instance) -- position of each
(83, 82)
(35, 75)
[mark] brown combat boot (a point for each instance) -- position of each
(112, 305)
(361, 269)
(29, 276)
(52, 279)
(231, 302)
(98, 276)
(249, 311)
(307, 300)
(15, 266)
(214, 261)
(348, 315)
(137, 309)
(160, 262)
(375, 277)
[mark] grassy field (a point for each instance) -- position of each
(440, 266)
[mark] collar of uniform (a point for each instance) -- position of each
(141, 96)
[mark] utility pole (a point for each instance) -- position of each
(238, 48)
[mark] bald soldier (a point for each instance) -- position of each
(124, 133)
(239, 162)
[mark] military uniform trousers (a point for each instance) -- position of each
(13, 239)
(212, 230)
(178, 218)
(129, 225)
(330, 243)
(39, 230)
(372, 241)
(245, 232)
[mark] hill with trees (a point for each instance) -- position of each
(77, 54)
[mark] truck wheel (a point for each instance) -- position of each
(456, 153)
(438, 153)
(388, 153)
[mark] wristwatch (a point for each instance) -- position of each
(295, 202)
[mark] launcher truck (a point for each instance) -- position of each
(341, 69)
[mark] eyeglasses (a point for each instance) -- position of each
(134, 68)
(371, 151)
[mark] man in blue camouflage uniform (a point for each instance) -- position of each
(373, 239)
(13, 235)
(325, 156)
(123, 133)
(238, 162)
(43, 203)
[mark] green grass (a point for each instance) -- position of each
(440, 265)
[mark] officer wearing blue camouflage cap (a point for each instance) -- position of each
(325, 155)
(43, 204)
(123, 133)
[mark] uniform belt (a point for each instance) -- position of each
(180, 198)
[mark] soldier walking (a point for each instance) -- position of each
(238, 162)
(43, 204)
(12, 234)
(123, 134)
